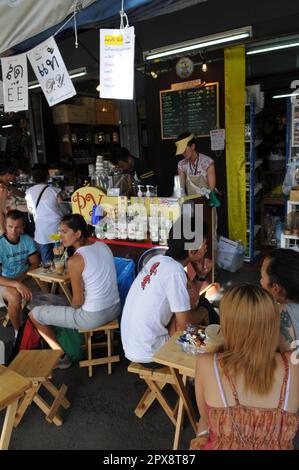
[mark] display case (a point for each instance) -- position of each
(253, 182)
(290, 234)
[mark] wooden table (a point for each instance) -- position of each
(12, 387)
(181, 365)
(41, 277)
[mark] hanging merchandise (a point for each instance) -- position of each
(51, 72)
(15, 83)
(117, 47)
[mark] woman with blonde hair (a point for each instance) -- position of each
(247, 394)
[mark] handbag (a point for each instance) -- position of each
(30, 222)
(71, 341)
(31, 338)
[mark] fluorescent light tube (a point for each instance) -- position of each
(200, 43)
(286, 95)
(272, 48)
(73, 74)
(6, 126)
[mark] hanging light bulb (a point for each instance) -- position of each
(154, 74)
(204, 67)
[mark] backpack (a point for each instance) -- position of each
(31, 338)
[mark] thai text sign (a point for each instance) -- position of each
(15, 83)
(51, 72)
(117, 63)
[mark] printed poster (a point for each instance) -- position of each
(117, 49)
(51, 72)
(15, 83)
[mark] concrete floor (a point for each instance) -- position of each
(101, 415)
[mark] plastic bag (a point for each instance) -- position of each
(288, 181)
(70, 340)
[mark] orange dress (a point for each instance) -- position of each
(249, 428)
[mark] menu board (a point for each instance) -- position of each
(193, 110)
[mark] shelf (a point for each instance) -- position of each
(257, 142)
(255, 255)
(273, 200)
(255, 231)
(257, 188)
(257, 163)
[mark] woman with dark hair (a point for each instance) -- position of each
(94, 286)
(280, 276)
(196, 170)
(43, 202)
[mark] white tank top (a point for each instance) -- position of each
(99, 277)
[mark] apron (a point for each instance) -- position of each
(194, 183)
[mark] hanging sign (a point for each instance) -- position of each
(51, 72)
(117, 48)
(217, 139)
(1, 93)
(15, 83)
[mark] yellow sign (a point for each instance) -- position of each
(114, 40)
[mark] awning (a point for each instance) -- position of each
(29, 22)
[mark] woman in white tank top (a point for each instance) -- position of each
(94, 285)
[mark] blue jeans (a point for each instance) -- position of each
(46, 252)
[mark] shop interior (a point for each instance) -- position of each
(79, 138)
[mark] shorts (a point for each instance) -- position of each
(76, 318)
(2, 289)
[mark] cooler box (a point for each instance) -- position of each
(125, 270)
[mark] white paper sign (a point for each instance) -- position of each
(117, 47)
(1, 93)
(217, 139)
(15, 83)
(51, 72)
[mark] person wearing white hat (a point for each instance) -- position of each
(196, 170)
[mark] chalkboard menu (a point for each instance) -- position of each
(190, 109)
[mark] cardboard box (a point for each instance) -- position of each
(84, 101)
(294, 194)
(71, 113)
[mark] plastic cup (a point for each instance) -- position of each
(59, 266)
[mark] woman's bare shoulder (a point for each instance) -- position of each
(205, 360)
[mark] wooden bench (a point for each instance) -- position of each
(38, 365)
(156, 379)
(89, 346)
(12, 388)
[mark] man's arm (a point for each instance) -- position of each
(3, 198)
(33, 264)
(287, 333)
(76, 266)
(23, 290)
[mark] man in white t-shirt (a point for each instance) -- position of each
(47, 214)
(158, 303)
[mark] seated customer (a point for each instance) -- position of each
(94, 285)
(280, 277)
(17, 256)
(247, 395)
(158, 302)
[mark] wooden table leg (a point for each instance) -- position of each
(42, 285)
(184, 404)
(8, 424)
(66, 291)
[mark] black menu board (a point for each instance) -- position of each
(190, 109)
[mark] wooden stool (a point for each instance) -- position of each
(12, 387)
(90, 362)
(156, 379)
(37, 365)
